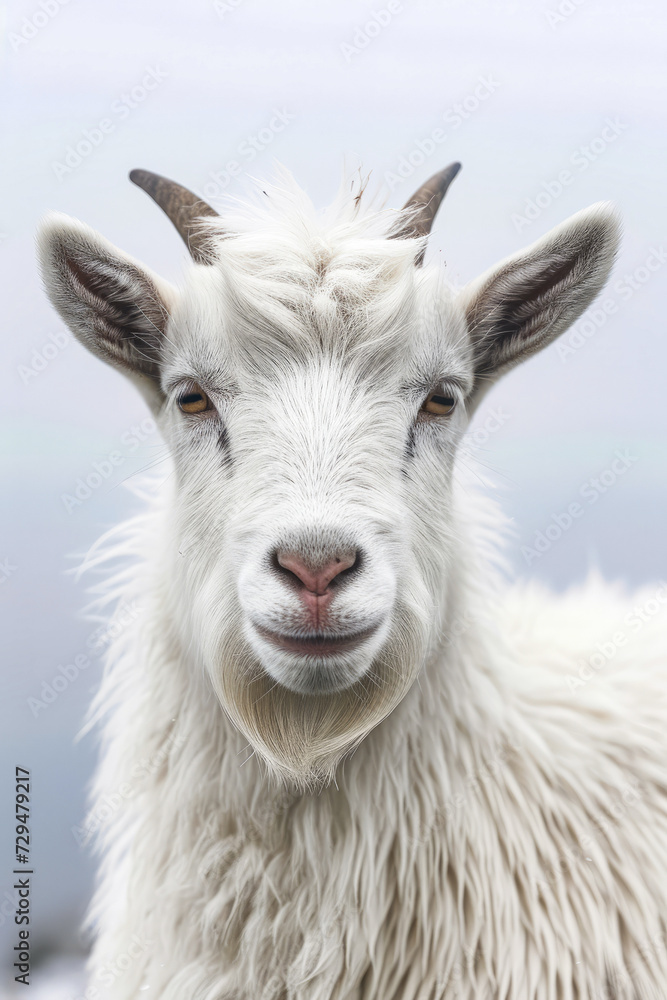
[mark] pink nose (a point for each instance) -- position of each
(316, 579)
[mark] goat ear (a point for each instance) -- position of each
(526, 301)
(113, 305)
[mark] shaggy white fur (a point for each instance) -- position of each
(453, 809)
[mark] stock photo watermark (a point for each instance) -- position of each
(580, 160)
(121, 109)
(562, 12)
(41, 357)
(591, 491)
(32, 24)
(620, 980)
(606, 649)
(96, 643)
(103, 469)
(7, 569)
(23, 872)
(489, 770)
(246, 151)
(578, 853)
(224, 7)
(454, 117)
(625, 288)
(108, 805)
(472, 441)
(114, 969)
(374, 26)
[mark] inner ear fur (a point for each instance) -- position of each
(113, 304)
(522, 304)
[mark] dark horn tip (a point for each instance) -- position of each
(182, 207)
(445, 176)
(142, 178)
(424, 204)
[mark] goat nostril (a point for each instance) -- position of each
(348, 564)
(315, 578)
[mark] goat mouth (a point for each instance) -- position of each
(314, 644)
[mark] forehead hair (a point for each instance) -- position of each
(289, 282)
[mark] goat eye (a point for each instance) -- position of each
(194, 400)
(438, 405)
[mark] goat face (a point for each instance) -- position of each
(312, 384)
(313, 488)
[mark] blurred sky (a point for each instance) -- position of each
(520, 92)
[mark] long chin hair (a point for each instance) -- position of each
(302, 738)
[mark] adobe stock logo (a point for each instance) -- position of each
(625, 287)
(454, 117)
(33, 24)
(579, 161)
(364, 34)
(606, 649)
(92, 138)
(590, 491)
(104, 469)
(41, 357)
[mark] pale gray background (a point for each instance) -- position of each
(555, 84)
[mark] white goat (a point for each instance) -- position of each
(315, 578)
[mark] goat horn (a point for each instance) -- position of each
(424, 203)
(181, 206)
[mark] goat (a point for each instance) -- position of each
(344, 761)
